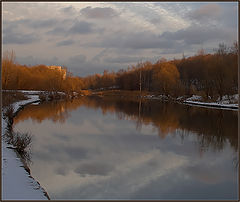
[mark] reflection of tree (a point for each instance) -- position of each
(56, 111)
(139, 122)
(213, 127)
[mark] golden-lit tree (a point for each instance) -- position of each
(165, 77)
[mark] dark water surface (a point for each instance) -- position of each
(109, 148)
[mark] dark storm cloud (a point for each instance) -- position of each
(98, 12)
(65, 43)
(206, 11)
(81, 27)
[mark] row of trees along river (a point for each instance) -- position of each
(209, 75)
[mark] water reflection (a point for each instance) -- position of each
(106, 148)
(213, 127)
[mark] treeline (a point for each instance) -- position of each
(208, 75)
(38, 77)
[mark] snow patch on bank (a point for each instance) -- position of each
(227, 102)
(16, 181)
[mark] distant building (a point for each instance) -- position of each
(59, 68)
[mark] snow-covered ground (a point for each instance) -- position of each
(17, 184)
(230, 103)
(226, 102)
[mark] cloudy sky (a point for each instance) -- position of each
(90, 37)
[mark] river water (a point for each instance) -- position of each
(116, 148)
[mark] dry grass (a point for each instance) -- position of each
(9, 98)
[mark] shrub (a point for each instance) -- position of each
(43, 96)
(9, 98)
(20, 141)
(8, 112)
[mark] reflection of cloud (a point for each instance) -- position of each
(94, 168)
(201, 173)
(104, 157)
(61, 171)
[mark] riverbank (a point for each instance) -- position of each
(227, 103)
(17, 182)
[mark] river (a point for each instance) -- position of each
(117, 148)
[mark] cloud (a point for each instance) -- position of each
(57, 31)
(18, 38)
(78, 27)
(39, 24)
(156, 20)
(122, 59)
(140, 30)
(98, 12)
(68, 10)
(65, 43)
(81, 27)
(205, 12)
(34, 60)
(140, 40)
(229, 17)
(198, 34)
(32, 23)
(77, 59)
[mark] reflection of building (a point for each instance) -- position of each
(59, 68)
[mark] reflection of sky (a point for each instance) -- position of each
(100, 157)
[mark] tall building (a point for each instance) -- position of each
(59, 68)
